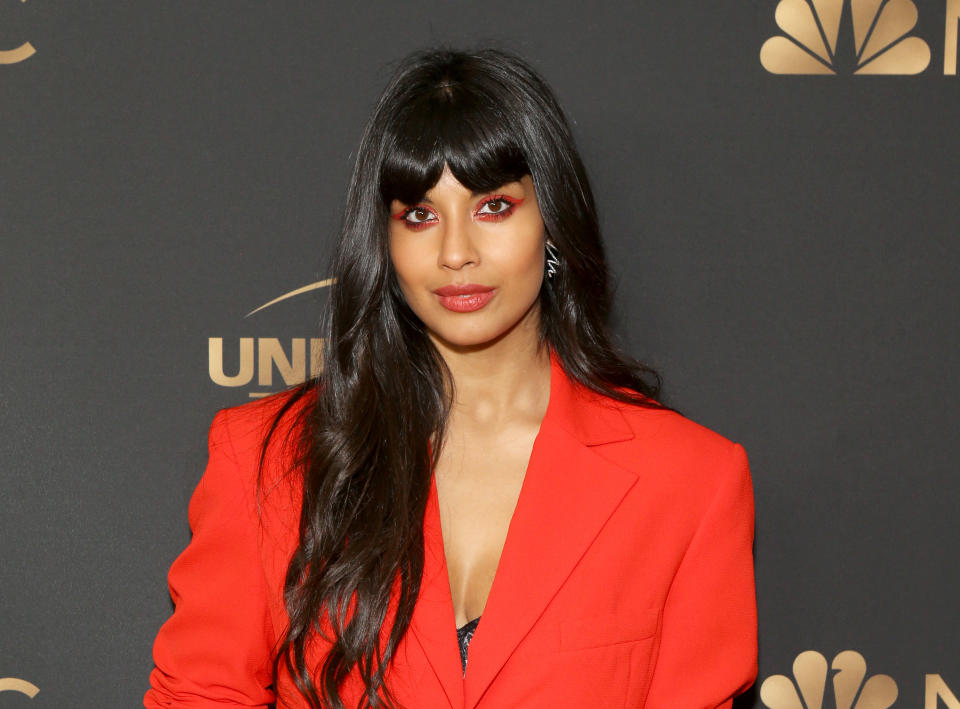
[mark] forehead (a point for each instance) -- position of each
(449, 183)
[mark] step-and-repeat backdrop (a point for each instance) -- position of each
(778, 183)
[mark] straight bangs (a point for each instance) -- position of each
(475, 136)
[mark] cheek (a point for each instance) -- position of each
(528, 247)
(522, 260)
(413, 269)
(404, 260)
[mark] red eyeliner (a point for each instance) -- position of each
(404, 212)
(513, 203)
(416, 226)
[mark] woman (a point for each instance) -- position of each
(595, 544)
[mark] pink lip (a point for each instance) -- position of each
(464, 298)
(463, 289)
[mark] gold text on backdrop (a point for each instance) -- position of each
(936, 691)
(950, 38)
(259, 357)
(15, 56)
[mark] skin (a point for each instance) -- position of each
(501, 378)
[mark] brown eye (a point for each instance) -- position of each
(417, 215)
(497, 208)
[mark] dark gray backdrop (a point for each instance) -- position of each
(785, 249)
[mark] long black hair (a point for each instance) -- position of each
(364, 454)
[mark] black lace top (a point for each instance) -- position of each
(464, 636)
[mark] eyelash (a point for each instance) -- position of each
(511, 202)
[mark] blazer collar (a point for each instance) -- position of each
(589, 417)
(569, 491)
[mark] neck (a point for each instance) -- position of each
(501, 381)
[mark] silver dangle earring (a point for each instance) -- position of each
(553, 259)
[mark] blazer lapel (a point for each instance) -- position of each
(568, 493)
(433, 622)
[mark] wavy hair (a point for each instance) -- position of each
(374, 423)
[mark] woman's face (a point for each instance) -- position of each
(489, 245)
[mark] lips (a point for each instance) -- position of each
(465, 289)
(464, 298)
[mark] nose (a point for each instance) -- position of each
(457, 247)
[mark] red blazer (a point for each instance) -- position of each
(626, 578)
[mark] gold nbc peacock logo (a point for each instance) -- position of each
(809, 684)
(881, 41)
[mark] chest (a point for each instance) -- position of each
(479, 478)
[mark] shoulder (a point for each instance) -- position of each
(675, 430)
(653, 422)
(267, 429)
(247, 425)
(681, 449)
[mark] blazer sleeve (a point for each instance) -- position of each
(708, 645)
(215, 650)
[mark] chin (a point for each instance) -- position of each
(475, 331)
(464, 341)
(465, 338)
